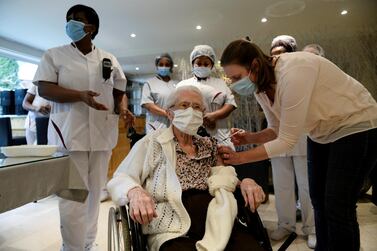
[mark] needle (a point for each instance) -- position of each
(239, 131)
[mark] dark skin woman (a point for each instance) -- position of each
(152, 107)
(51, 91)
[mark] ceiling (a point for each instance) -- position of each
(169, 25)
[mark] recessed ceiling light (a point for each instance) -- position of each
(263, 20)
(175, 65)
(133, 35)
(344, 12)
(137, 68)
(198, 27)
(219, 62)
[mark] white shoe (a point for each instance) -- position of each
(298, 205)
(312, 241)
(279, 234)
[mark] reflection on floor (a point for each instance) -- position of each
(35, 227)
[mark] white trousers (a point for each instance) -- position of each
(284, 170)
(31, 137)
(78, 221)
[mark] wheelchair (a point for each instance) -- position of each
(125, 235)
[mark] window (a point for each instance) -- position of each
(16, 74)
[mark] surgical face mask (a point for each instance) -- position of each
(201, 72)
(188, 120)
(163, 71)
(75, 30)
(244, 86)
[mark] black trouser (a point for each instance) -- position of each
(336, 174)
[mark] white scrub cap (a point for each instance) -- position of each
(318, 50)
(288, 42)
(203, 50)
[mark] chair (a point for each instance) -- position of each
(125, 234)
(19, 95)
(41, 124)
(7, 102)
(6, 138)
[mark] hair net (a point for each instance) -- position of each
(288, 42)
(317, 47)
(164, 55)
(203, 50)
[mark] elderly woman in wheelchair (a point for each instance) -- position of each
(178, 189)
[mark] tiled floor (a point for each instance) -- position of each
(35, 227)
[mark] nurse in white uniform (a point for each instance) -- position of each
(86, 86)
(219, 98)
(155, 93)
(37, 107)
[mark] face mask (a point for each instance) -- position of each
(188, 120)
(163, 71)
(201, 72)
(244, 86)
(75, 30)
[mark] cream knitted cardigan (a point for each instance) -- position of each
(151, 165)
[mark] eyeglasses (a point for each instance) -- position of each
(185, 105)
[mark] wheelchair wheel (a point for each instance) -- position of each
(119, 238)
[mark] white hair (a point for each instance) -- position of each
(320, 51)
(173, 97)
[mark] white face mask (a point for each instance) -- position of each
(201, 71)
(188, 120)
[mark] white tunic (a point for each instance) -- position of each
(314, 96)
(81, 127)
(216, 94)
(37, 102)
(156, 91)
